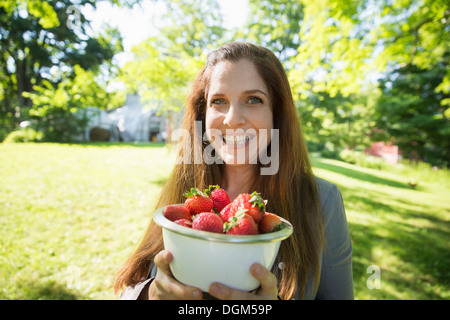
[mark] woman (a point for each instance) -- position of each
(243, 88)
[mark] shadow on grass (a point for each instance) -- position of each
(117, 144)
(421, 253)
(47, 291)
(406, 237)
(356, 174)
(362, 259)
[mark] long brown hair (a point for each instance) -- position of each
(291, 192)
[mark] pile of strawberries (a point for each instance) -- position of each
(213, 211)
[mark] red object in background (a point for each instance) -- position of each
(388, 152)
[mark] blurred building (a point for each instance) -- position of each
(127, 123)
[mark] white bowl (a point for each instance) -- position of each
(201, 258)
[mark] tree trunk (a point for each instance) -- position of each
(22, 81)
(23, 85)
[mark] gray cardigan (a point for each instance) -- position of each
(336, 280)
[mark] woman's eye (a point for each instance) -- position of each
(254, 100)
(218, 101)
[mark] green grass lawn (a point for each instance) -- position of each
(403, 231)
(70, 214)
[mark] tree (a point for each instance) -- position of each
(58, 112)
(163, 67)
(346, 46)
(160, 76)
(193, 26)
(410, 112)
(342, 41)
(335, 117)
(338, 122)
(37, 44)
(275, 25)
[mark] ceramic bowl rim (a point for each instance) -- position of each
(165, 223)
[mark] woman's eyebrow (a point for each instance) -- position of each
(255, 91)
(251, 91)
(217, 94)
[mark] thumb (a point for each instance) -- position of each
(162, 261)
(268, 281)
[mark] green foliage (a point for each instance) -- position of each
(193, 26)
(275, 25)
(410, 111)
(24, 135)
(3, 133)
(57, 110)
(37, 44)
(37, 8)
(335, 50)
(359, 158)
(337, 121)
(341, 41)
(332, 54)
(160, 76)
(163, 67)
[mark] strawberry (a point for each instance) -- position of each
(219, 197)
(270, 223)
(184, 222)
(176, 212)
(208, 221)
(227, 212)
(241, 224)
(197, 202)
(254, 204)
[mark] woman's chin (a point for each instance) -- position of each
(238, 161)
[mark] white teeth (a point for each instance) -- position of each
(236, 139)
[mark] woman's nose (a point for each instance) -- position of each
(234, 118)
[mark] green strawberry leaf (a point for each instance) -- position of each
(278, 227)
(239, 214)
(233, 220)
(193, 192)
(229, 224)
(210, 189)
(256, 200)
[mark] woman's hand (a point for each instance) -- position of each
(267, 291)
(165, 287)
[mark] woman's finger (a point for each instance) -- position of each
(268, 281)
(162, 261)
(165, 286)
(171, 289)
(267, 290)
(223, 292)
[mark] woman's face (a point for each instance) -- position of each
(238, 112)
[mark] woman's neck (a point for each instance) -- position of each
(237, 179)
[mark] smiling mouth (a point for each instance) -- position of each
(233, 140)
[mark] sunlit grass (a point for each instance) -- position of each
(70, 214)
(402, 230)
